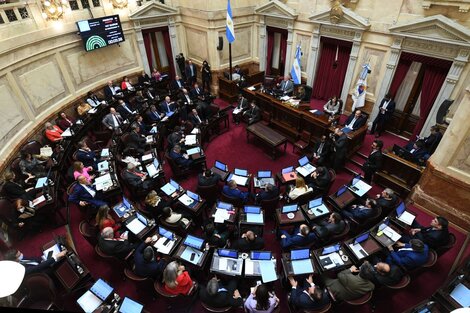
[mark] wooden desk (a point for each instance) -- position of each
(202, 260)
(383, 239)
(343, 201)
(283, 220)
(196, 209)
(337, 268)
(233, 217)
(314, 216)
(287, 265)
(355, 139)
(371, 246)
(244, 225)
(269, 136)
(67, 272)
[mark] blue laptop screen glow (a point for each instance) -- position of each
(126, 203)
(141, 218)
(400, 209)
(303, 161)
(264, 174)
(362, 238)
(341, 191)
(355, 180)
(286, 170)
(174, 184)
(156, 163)
(194, 242)
(383, 225)
(101, 289)
(192, 195)
(227, 253)
(221, 166)
(240, 172)
(300, 254)
(130, 306)
(224, 205)
(315, 202)
(289, 208)
(260, 255)
(165, 233)
(331, 249)
(252, 209)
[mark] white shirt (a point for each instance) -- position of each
(350, 125)
(115, 120)
(89, 190)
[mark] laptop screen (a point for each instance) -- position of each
(168, 189)
(224, 205)
(221, 166)
(260, 255)
(400, 209)
(252, 209)
(299, 254)
(101, 289)
(174, 184)
(303, 161)
(289, 208)
(165, 233)
(341, 191)
(362, 238)
(228, 253)
(315, 202)
(331, 249)
(141, 218)
(192, 195)
(126, 203)
(264, 174)
(286, 170)
(130, 306)
(194, 242)
(355, 180)
(156, 163)
(240, 172)
(383, 225)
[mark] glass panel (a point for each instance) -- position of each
(161, 49)
(73, 5)
(23, 13)
(96, 3)
(11, 15)
(85, 4)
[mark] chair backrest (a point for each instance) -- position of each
(125, 138)
(269, 206)
(302, 199)
(159, 288)
(7, 211)
(305, 136)
(133, 276)
(237, 202)
(332, 180)
(338, 237)
(71, 187)
(175, 168)
(88, 231)
(448, 245)
(40, 287)
(33, 147)
(217, 310)
(210, 193)
(308, 92)
(15, 168)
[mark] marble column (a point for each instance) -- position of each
(141, 47)
(262, 44)
(351, 66)
(314, 53)
(288, 60)
(175, 50)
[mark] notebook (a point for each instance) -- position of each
(403, 215)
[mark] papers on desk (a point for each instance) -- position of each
(268, 272)
(249, 267)
(358, 250)
(67, 133)
(313, 111)
(186, 200)
(92, 111)
(319, 210)
(169, 114)
(304, 170)
(331, 260)
(146, 157)
(41, 182)
(103, 166)
(461, 294)
(284, 98)
(391, 233)
(165, 118)
(254, 218)
(360, 188)
(149, 139)
(302, 266)
(55, 251)
(229, 265)
(240, 180)
(287, 176)
(89, 302)
(135, 226)
(103, 182)
(195, 131)
(221, 215)
(193, 151)
(188, 252)
(190, 140)
(407, 218)
(251, 88)
(38, 200)
(105, 153)
(165, 249)
(236, 111)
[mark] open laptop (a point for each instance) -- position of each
(227, 261)
(170, 188)
(137, 224)
(153, 168)
(95, 296)
(331, 249)
(224, 206)
(193, 151)
(317, 207)
(103, 166)
(385, 229)
(358, 186)
(305, 168)
(341, 191)
(261, 255)
(122, 208)
(194, 197)
(105, 153)
(240, 176)
(253, 214)
(402, 152)
(301, 262)
(346, 130)
(289, 208)
(193, 250)
(288, 173)
(252, 265)
(263, 178)
(221, 166)
(403, 215)
(356, 246)
(166, 241)
(130, 306)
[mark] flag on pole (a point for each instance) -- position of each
(295, 71)
(229, 32)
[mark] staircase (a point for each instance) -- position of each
(354, 163)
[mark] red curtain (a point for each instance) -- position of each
(329, 80)
(400, 73)
(433, 78)
(269, 54)
(283, 50)
(148, 49)
(169, 54)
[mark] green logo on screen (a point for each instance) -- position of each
(95, 42)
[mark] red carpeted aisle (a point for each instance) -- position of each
(232, 148)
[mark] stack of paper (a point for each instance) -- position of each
(67, 133)
(186, 200)
(103, 182)
(190, 140)
(335, 259)
(161, 247)
(38, 201)
(55, 251)
(221, 215)
(268, 272)
(146, 157)
(135, 226)
(251, 88)
(358, 250)
(195, 131)
(392, 234)
(240, 180)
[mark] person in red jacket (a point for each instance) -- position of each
(53, 132)
(104, 219)
(177, 280)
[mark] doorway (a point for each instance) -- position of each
(158, 49)
(276, 51)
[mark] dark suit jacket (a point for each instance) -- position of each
(108, 94)
(301, 300)
(187, 70)
(180, 159)
(296, 239)
(390, 278)
(386, 204)
(154, 116)
(374, 161)
(242, 104)
(235, 193)
(267, 195)
(390, 108)
(136, 141)
(173, 139)
(13, 191)
(42, 266)
(360, 213)
(86, 157)
(153, 269)
(194, 120)
(222, 298)
(408, 259)
(325, 150)
(208, 181)
(254, 114)
(242, 244)
(116, 248)
(143, 79)
(361, 121)
(164, 109)
(434, 238)
(197, 93)
(341, 146)
(174, 84)
(124, 113)
(330, 229)
(133, 179)
(321, 182)
(419, 154)
(79, 193)
(287, 86)
(431, 142)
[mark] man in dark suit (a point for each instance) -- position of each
(207, 178)
(144, 80)
(269, 192)
(177, 83)
(219, 295)
(143, 128)
(409, 256)
(361, 213)
(432, 141)
(136, 141)
(418, 152)
(349, 286)
(167, 106)
(242, 106)
(125, 110)
(112, 93)
(249, 241)
(175, 138)
(146, 264)
(301, 236)
(136, 178)
(340, 147)
(112, 120)
(180, 158)
(194, 118)
(374, 161)
(321, 151)
(117, 247)
(197, 93)
(13, 190)
(333, 226)
(33, 265)
(386, 109)
(253, 113)
(85, 155)
(232, 191)
(309, 296)
(84, 194)
(387, 200)
(355, 121)
(191, 73)
(286, 86)
(386, 274)
(435, 235)
(153, 115)
(319, 180)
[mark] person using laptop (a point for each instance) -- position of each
(349, 286)
(33, 264)
(176, 279)
(307, 296)
(299, 189)
(374, 161)
(242, 106)
(26, 218)
(435, 235)
(104, 219)
(356, 121)
(174, 218)
(386, 274)
(136, 178)
(117, 247)
(333, 226)
(217, 294)
(386, 199)
(360, 212)
(321, 151)
(269, 192)
(216, 234)
(409, 256)
(248, 241)
(13, 190)
(85, 194)
(319, 180)
(418, 152)
(253, 114)
(147, 264)
(231, 190)
(301, 236)
(155, 204)
(208, 178)
(182, 159)
(136, 140)
(261, 300)
(79, 169)
(85, 155)
(340, 148)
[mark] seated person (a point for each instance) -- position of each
(286, 86)
(176, 279)
(80, 170)
(125, 109)
(386, 274)
(249, 241)
(174, 218)
(269, 192)
(237, 73)
(53, 133)
(177, 83)
(361, 213)
(300, 237)
(231, 190)
(154, 204)
(175, 138)
(356, 121)
(136, 178)
(242, 106)
(146, 263)
(198, 94)
(104, 219)
(307, 296)
(83, 108)
(219, 295)
(348, 286)
(321, 151)
(153, 115)
(31, 166)
(185, 97)
(85, 194)
(112, 92)
(167, 106)
(418, 152)
(386, 199)
(261, 300)
(432, 141)
(195, 119)
(13, 190)
(156, 75)
(112, 246)
(126, 85)
(216, 235)
(435, 235)
(27, 219)
(64, 121)
(33, 264)
(93, 100)
(136, 140)
(333, 226)
(332, 106)
(144, 129)
(112, 120)
(409, 256)
(207, 178)
(300, 188)
(253, 113)
(182, 159)
(319, 180)
(301, 94)
(85, 155)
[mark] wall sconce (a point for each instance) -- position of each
(119, 4)
(53, 9)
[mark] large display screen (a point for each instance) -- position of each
(100, 32)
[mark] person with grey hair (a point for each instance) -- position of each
(136, 140)
(410, 256)
(145, 261)
(386, 199)
(177, 280)
(217, 295)
(180, 158)
(53, 133)
(231, 190)
(117, 247)
(269, 192)
(136, 178)
(348, 286)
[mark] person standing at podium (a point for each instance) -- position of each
(374, 161)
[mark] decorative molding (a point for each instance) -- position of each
(276, 9)
(430, 47)
(337, 32)
(152, 10)
(463, 5)
(349, 19)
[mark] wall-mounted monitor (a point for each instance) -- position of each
(100, 32)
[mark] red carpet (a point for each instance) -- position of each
(232, 148)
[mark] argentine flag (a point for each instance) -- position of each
(229, 32)
(295, 71)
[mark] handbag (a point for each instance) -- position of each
(45, 151)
